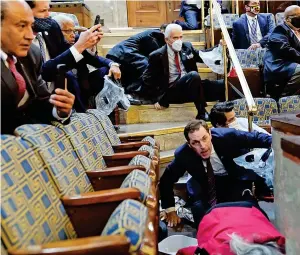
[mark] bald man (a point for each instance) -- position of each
(282, 59)
(25, 97)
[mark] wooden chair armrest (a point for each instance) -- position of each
(267, 128)
(81, 246)
(134, 138)
(125, 155)
(102, 196)
(129, 145)
(90, 212)
(110, 171)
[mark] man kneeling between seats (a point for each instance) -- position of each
(208, 157)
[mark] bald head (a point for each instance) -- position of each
(293, 10)
(16, 27)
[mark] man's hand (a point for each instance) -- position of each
(115, 71)
(172, 218)
(89, 38)
(157, 106)
(254, 46)
(222, 42)
(63, 100)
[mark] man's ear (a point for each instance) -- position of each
(247, 8)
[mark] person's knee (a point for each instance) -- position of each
(194, 75)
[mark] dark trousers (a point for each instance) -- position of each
(186, 89)
(191, 18)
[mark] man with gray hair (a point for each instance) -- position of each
(172, 74)
(282, 59)
(67, 27)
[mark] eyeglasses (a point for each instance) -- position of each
(70, 31)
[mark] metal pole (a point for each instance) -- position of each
(250, 119)
(237, 6)
(225, 67)
(211, 24)
(202, 16)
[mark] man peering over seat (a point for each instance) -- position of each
(172, 75)
(282, 59)
(223, 115)
(252, 29)
(25, 97)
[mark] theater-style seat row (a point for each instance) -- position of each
(267, 107)
(55, 187)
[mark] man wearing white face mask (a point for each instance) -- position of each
(172, 74)
(223, 115)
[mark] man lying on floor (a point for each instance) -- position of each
(208, 157)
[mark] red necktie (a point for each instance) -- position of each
(212, 195)
(177, 62)
(19, 78)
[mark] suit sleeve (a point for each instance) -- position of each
(173, 172)
(196, 55)
(234, 35)
(252, 140)
(280, 46)
(271, 26)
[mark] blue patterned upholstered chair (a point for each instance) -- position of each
(265, 108)
(130, 219)
(279, 18)
(289, 104)
(248, 58)
(34, 220)
(72, 16)
(229, 18)
(111, 132)
(104, 147)
(69, 176)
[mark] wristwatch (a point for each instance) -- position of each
(114, 64)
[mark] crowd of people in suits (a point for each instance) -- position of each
(157, 67)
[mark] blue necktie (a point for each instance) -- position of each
(253, 32)
(41, 43)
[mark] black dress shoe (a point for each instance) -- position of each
(117, 128)
(203, 116)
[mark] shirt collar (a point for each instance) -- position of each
(251, 18)
(4, 57)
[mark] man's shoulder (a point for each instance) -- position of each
(223, 132)
(182, 150)
(159, 51)
(240, 19)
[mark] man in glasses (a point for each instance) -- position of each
(252, 29)
(67, 27)
(282, 59)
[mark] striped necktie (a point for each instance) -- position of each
(211, 188)
(42, 47)
(253, 32)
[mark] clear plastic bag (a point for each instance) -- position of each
(111, 94)
(214, 59)
(261, 161)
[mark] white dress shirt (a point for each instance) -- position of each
(4, 57)
(242, 124)
(173, 72)
(250, 21)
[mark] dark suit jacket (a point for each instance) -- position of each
(156, 76)
(37, 109)
(60, 54)
(240, 30)
(282, 56)
(228, 143)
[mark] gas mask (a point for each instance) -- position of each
(295, 21)
(253, 9)
(41, 25)
(177, 45)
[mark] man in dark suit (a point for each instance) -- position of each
(25, 97)
(56, 50)
(252, 29)
(282, 59)
(172, 74)
(133, 53)
(208, 157)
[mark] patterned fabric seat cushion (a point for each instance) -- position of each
(229, 18)
(72, 16)
(110, 130)
(265, 108)
(289, 104)
(129, 219)
(141, 160)
(84, 143)
(279, 18)
(140, 180)
(57, 152)
(98, 133)
(248, 58)
(31, 211)
(148, 149)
